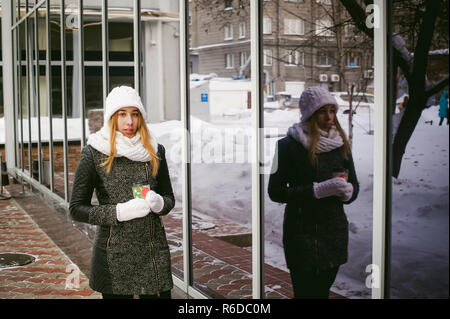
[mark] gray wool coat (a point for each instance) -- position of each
(130, 257)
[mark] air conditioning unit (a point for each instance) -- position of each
(368, 74)
(323, 78)
(335, 78)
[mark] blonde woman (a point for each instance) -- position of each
(314, 175)
(130, 254)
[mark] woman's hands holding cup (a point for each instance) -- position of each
(336, 186)
(134, 208)
(139, 207)
(155, 201)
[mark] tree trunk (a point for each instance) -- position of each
(416, 87)
(418, 91)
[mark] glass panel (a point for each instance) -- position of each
(160, 85)
(2, 122)
(34, 106)
(1, 79)
(74, 103)
(221, 135)
(93, 58)
(419, 245)
(56, 107)
(315, 231)
(29, 86)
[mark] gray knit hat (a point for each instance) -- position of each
(312, 99)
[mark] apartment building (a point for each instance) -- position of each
(306, 42)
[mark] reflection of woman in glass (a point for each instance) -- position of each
(130, 255)
(311, 167)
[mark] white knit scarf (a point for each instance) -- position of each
(328, 141)
(131, 148)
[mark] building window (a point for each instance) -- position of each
(267, 26)
(323, 28)
(326, 2)
(229, 61)
(190, 17)
(294, 58)
(267, 57)
(228, 32)
(241, 30)
(297, 1)
(324, 59)
(294, 26)
(228, 4)
(353, 59)
(243, 57)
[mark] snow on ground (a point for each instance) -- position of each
(221, 188)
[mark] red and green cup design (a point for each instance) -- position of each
(342, 174)
(140, 190)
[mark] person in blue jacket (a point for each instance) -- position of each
(443, 107)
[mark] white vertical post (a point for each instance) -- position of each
(185, 147)
(64, 98)
(80, 62)
(257, 211)
(8, 80)
(380, 152)
(137, 45)
(160, 59)
(105, 52)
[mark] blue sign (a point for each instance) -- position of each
(204, 97)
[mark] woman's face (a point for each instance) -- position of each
(325, 117)
(127, 121)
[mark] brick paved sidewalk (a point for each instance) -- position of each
(220, 267)
(44, 278)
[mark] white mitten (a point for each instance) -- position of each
(134, 208)
(155, 201)
(330, 187)
(347, 192)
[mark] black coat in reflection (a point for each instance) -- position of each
(315, 231)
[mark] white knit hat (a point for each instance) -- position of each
(122, 96)
(312, 99)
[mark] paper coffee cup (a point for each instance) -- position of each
(342, 174)
(140, 190)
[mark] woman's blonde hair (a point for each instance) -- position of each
(314, 136)
(145, 138)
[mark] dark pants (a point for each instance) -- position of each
(162, 295)
(313, 284)
(442, 120)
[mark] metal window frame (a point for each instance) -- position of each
(64, 99)
(137, 45)
(36, 90)
(257, 76)
(105, 51)
(81, 75)
(381, 166)
(48, 79)
(29, 76)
